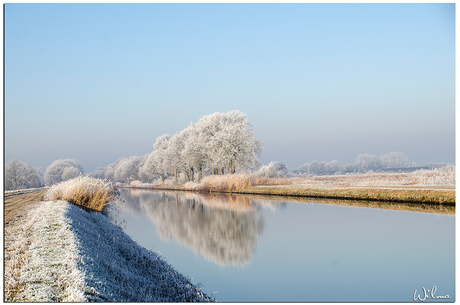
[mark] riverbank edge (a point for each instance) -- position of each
(108, 258)
(434, 197)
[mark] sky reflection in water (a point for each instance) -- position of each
(265, 250)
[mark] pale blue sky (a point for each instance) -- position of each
(95, 82)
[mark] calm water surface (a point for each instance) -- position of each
(247, 250)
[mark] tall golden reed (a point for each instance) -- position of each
(84, 191)
(225, 183)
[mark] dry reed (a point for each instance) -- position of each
(271, 181)
(218, 183)
(84, 191)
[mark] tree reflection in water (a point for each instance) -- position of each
(222, 228)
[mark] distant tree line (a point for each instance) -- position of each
(363, 163)
(393, 161)
(19, 175)
(123, 170)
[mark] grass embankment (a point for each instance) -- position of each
(60, 252)
(243, 184)
(387, 205)
(369, 194)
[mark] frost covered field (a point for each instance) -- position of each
(60, 252)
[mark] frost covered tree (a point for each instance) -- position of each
(110, 173)
(219, 143)
(148, 168)
(144, 176)
(334, 166)
(208, 128)
(123, 170)
(127, 169)
(160, 156)
(321, 168)
(99, 173)
(273, 170)
(223, 142)
(367, 162)
(19, 175)
(62, 170)
(395, 159)
(107, 172)
(194, 152)
(241, 150)
(229, 142)
(177, 161)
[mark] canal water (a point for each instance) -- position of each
(240, 249)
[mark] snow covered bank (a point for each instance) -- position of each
(59, 252)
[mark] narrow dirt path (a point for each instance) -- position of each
(16, 205)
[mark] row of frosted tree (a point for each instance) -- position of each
(220, 143)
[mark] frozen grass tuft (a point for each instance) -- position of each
(85, 191)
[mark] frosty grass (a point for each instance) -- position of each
(63, 253)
